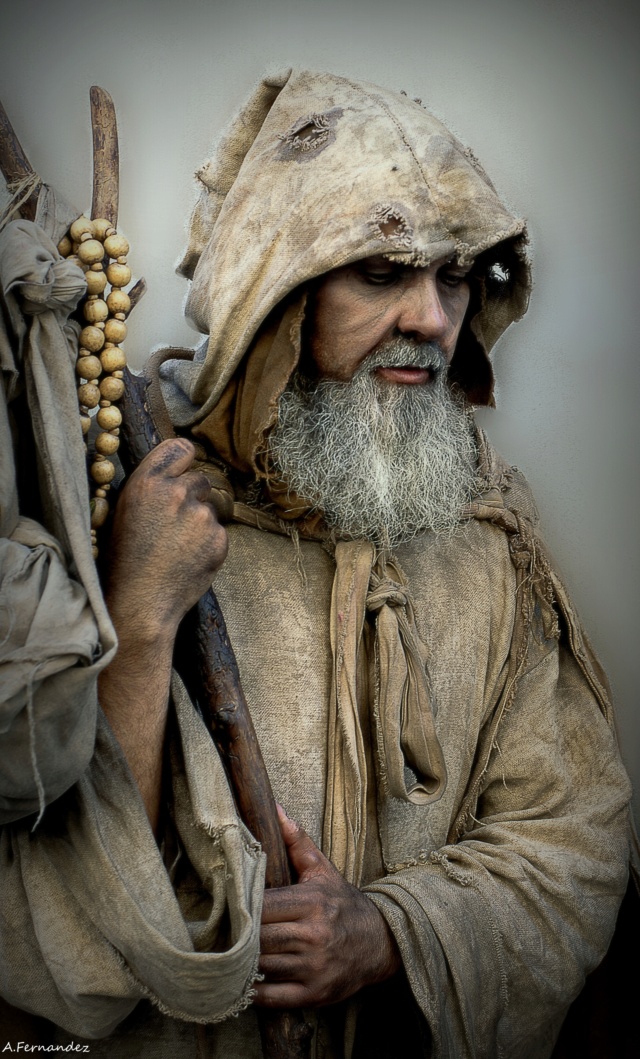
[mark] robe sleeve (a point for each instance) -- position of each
(91, 920)
(498, 930)
(55, 633)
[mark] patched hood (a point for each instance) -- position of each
(318, 171)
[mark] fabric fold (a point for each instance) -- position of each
(411, 763)
(55, 633)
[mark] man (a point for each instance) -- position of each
(430, 712)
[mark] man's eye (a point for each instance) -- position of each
(379, 277)
(452, 277)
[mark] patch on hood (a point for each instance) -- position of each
(380, 175)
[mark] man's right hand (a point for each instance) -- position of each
(166, 542)
(165, 546)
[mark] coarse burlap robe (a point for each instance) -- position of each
(92, 922)
(501, 894)
(55, 633)
(434, 718)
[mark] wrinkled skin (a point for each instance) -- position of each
(321, 939)
(166, 545)
(359, 307)
(166, 542)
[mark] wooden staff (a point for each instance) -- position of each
(204, 656)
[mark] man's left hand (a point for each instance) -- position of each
(321, 939)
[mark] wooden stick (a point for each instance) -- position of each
(137, 292)
(203, 653)
(106, 157)
(15, 165)
(205, 660)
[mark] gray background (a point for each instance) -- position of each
(547, 96)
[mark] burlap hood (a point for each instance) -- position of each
(317, 171)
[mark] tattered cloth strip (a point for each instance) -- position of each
(55, 633)
(411, 760)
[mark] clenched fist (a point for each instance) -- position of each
(166, 542)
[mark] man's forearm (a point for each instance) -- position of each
(134, 694)
(165, 547)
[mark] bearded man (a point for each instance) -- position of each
(431, 715)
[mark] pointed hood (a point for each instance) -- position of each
(317, 171)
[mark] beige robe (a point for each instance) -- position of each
(434, 719)
(502, 894)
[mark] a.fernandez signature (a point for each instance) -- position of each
(24, 1046)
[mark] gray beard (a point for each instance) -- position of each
(379, 460)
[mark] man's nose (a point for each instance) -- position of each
(421, 314)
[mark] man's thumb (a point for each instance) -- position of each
(304, 856)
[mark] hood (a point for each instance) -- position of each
(315, 172)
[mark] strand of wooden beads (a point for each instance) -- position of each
(101, 361)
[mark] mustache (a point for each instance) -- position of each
(405, 353)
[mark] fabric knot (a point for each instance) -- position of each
(34, 272)
(383, 592)
(58, 292)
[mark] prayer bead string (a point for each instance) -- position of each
(101, 360)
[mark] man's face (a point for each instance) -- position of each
(378, 442)
(360, 307)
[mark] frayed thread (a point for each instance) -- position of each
(459, 876)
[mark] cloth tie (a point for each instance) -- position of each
(411, 763)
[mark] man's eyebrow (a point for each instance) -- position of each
(376, 261)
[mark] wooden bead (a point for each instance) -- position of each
(85, 423)
(109, 418)
(80, 227)
(96, 311)
(96, 282)
(118, 275)
(102, 471)
(105, 404)
(94, 552)
(92, 338)
(116, 246)
(115, 331)
(65, 246)
(97, 266)
(107, 444)
(91, 251)
(89, 395)
(118, 375)
(99, 512)
(112, 389)
(102, 227)
(88, 368)
(102, 491)
(119, 302)
(112, 359)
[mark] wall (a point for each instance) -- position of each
(546, 95)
